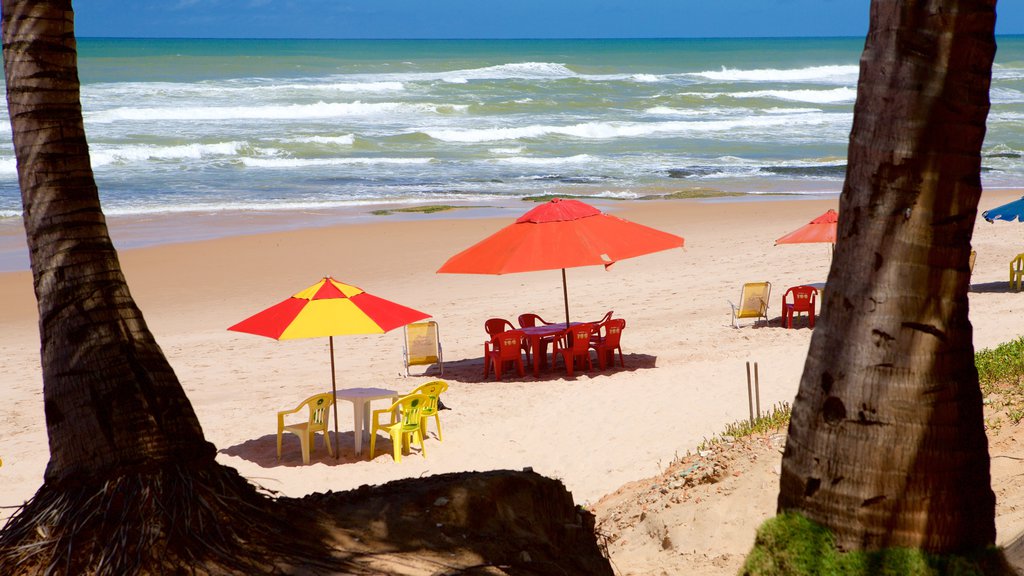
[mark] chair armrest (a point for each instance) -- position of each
(283, 413)
(375, 418)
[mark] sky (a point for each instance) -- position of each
(485, 18)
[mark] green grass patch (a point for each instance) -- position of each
(430, 209)
(1001, 375)
(776, 419)
(791, 545)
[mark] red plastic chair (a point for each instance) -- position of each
(605, 345)
(495, 326)
(503, 348)
(530, 320)
(607, 316)
(803, 300)
(574, 346)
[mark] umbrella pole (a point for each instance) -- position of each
(565, 296)
(334, 391)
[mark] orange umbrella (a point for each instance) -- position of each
(556, 235)
(821, 229)
(329, 308)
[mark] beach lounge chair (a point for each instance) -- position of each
(607, 340)
(433, 391)
(753, 303)
(316, 421)
(799, 300)
(403, 423)
(423, 346)
(1016, 271)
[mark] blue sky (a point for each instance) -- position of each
(486, 18)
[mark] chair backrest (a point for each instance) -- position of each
(509, 344)
(433, 391)
(754, 299)
(971, 259)
(1017, 263)
(411, 408)
(422, 343)
(613, 331)
(607, 316)
(579, 337)
(318, 406)
(495, 326)
(804, 298)
(530, 320)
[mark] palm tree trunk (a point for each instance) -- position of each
(132, 486)
(111, 398)
(887, 443)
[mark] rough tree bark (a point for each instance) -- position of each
(132, 484)
(887, 443)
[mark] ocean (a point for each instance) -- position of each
(208, 126)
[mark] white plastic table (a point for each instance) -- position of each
(360, 399)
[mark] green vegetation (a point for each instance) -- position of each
(430, 209)
(792, 545)
(777, 419)
(684, 194)
(1001, 374)
(692, 193)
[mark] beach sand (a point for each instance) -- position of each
(684, 380)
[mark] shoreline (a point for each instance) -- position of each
(129, 232)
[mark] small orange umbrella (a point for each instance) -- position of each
(821, 229)
(329, 308)
(556, 235)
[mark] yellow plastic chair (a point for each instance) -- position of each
(1016, 272)
(306, 431)
(423, 346)
(404, 423)
(433, 391)
(753, 303)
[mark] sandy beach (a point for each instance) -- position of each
(684, 380)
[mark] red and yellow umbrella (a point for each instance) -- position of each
(556, 235)
(329, 308)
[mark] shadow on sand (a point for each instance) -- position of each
(471, 370)
(262, 451)
(1002, 287)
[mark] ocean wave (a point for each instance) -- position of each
(346, 140)
(533, 161)
(1006, 96)
(610, 130)
(8, 166)
(505, 151)
(288, 112)
(843, 74)
(103, 157)
(833, 96)
(830, 96)
(307, 162)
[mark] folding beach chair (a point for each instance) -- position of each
(753, 303)
(423, 346)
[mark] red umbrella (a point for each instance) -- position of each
(329, 308)
(556, 235)
(821, 229)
